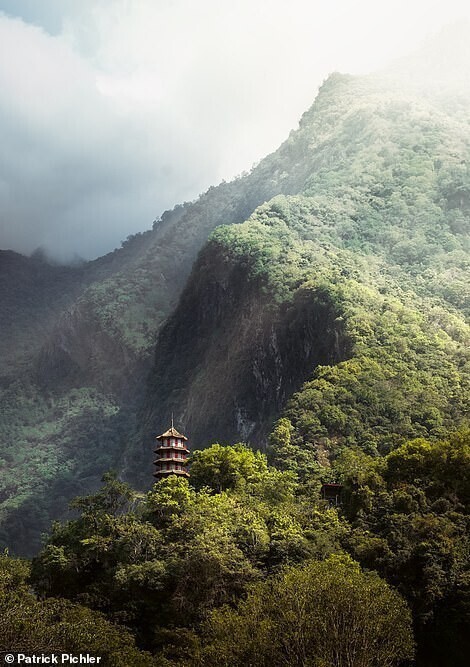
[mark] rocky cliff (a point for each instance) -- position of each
(230, 356)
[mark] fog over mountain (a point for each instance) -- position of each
(113, 111)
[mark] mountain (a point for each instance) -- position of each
(70, 391)
(376, 234)
(326, 289)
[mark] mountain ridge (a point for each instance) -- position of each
(373, 182)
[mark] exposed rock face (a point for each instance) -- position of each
(230, 357)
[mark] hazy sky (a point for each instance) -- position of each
(112, 111)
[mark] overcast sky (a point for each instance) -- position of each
(112, 111)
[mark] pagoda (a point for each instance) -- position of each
(172, 454)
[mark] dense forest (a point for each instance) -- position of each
(247, 565)
(311, 317)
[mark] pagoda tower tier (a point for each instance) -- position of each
(172, 453)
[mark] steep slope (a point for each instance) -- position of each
(32, 295)
(349, 274)
(68, 410)
(268, 308)
(379, 232)
(235, 352)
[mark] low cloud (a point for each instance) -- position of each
(131, 107)
(78, 173)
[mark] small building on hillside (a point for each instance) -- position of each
(172, 453)
(331, 492)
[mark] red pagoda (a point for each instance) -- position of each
(172, 454)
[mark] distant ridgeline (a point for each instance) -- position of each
(316, 304)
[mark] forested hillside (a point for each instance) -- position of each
(76, 348)
(358, 285)
(247, 564)
(329, 293)
(304, 324)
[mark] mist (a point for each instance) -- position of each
(113, 111)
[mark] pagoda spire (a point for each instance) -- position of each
(172, 453)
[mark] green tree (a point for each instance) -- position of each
(221, 468)
(323, 613)
(55, 625)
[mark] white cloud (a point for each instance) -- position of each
(136, 105)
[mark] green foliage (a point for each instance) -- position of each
(222, 468)
(56, 625)
(442, 468)
(409, 514)
(168, 558)
(336, 309)
(76, 344)
(324, 613)
(194, 571)
(113, 498)
(63, 444)
(352, 239)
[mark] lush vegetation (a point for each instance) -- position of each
(406, 368)
(375, 242)
(56, 625)
(76, 344)
(247, 564)
(326, 613)
(409, 514)
(327, 328)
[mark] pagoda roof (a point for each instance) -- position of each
(157, 473)
(171, 433)
(174, 448)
